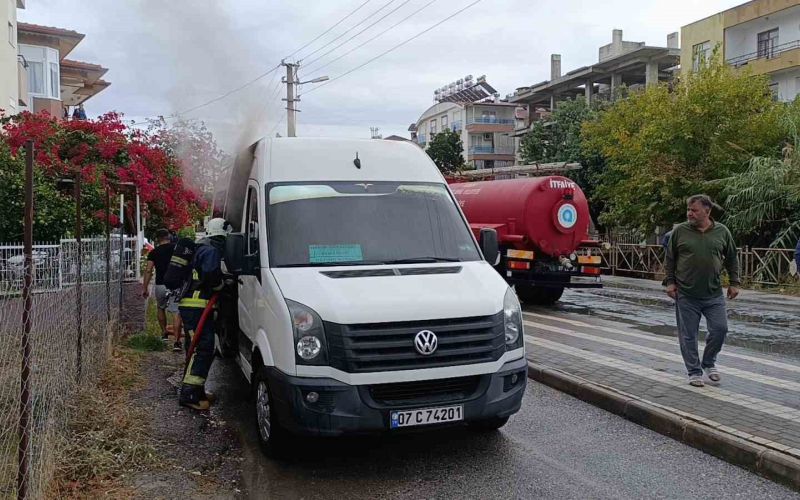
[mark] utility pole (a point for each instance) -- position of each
(291, 110)
(292, 82)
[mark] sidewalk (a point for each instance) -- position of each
(752, 418)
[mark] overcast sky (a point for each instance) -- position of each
(165, 56)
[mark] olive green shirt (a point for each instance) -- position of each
(695, 260)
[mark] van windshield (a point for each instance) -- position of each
(346, 223)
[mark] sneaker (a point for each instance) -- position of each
(164, 337)
(696, 381)
(713, 374)
(177, 347)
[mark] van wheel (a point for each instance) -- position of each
(271, 436)
(489, 424)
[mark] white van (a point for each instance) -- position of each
(364, 301)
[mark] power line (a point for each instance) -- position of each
(348, 30)
(378, 35)
(223, 96)
(359, 33)
(329, 29)
(395, 47)
(247, 84)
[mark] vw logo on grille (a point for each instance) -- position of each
(426, 342)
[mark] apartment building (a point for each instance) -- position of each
(620, 63)
(13, 83)
(472, 109)
(762, 35)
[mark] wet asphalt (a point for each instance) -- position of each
(555, 447)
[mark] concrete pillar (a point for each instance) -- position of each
(552, 102)
(651, 73)
(616, 83)
(673, 41)
(555, 67)
(589, 90)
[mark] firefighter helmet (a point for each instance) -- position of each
(218, 227)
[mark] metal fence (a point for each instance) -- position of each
(760, 266)
(55, 265)
(60, 305)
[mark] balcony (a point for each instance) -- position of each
(491, 150)
(490, 124)
(766, 53)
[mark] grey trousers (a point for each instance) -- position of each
(688, 311)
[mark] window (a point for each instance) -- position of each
(251, 230)
(35, 78)
(767, 41)
(701, 53)
(775, 90)
(44, 79)
(426, 225)
(444, 122)
(54, 81)
(433, 127)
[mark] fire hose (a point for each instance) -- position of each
(206, 312)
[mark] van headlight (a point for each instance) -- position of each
(309, 334)
(512, 320)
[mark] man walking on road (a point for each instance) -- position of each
(696, 254)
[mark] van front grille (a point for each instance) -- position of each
(390, 346)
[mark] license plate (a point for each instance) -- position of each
(426, 416)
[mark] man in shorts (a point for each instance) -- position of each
(158, 259)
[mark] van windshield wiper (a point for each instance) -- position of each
(422, 260)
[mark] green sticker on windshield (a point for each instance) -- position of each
(320, 254)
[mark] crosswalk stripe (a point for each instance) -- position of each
(755, 404)
(757, 377)
(673, 341)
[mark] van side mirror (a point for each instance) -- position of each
(490, 246)
(235, 259)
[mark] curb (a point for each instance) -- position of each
(770, 463)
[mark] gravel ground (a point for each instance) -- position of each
(201, 454)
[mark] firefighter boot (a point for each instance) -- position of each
(194, 397)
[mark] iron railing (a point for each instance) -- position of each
(490, 120)
(761, 266)
(767, 53)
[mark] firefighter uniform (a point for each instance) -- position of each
(205, 281)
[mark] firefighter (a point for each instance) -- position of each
(206, 279)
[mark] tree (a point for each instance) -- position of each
(665, 143)
(104, 153)
(558, 139)
(197, 152)
(762, 203)
(446, 150)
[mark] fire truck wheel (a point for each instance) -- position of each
(536, 296)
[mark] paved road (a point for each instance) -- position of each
(759, 321)
(556, 447)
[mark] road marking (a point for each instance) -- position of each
(764, 379)
(771, 409)
(672, 341)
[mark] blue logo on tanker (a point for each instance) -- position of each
(567, 215)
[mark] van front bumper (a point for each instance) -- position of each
(347, 409)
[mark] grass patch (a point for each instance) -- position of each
(108, 436)
(145, 342)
